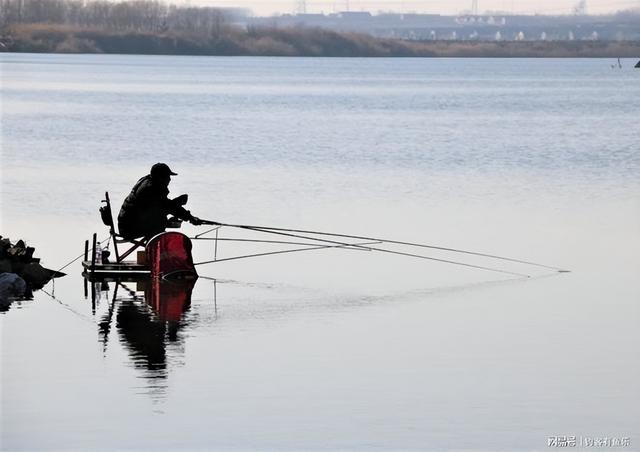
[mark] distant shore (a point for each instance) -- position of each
(304, 42)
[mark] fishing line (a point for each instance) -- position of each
(310, 247)
(280, 242)
(206, 232)
(71, 262)
(67, 307)
(397, 242)
(400, 253)
(419, 256)
(75, 259)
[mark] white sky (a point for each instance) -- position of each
(268, 7)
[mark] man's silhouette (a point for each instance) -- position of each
(144, 212)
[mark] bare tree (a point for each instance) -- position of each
(134, 15)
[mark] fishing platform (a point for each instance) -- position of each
(115, 270)
(165, 255)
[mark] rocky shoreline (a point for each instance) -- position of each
(20, 272)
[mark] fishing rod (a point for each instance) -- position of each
(309, 247)
(279, 242)
(395, 242)
(281, 231)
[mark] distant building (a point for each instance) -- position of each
(354, 15)
(490, 27)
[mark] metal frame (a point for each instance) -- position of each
(107, 218)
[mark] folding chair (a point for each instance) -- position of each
(107, 219)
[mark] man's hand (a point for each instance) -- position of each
(195, 221)
(181, 200)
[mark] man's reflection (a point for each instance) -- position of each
(146, 325)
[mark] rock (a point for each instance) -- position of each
(12, 286)
(5, 266)
(18, 259)
(18, 251)
(5, 243)
(36, 275)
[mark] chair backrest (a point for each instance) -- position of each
(105, 212)
(107, 218)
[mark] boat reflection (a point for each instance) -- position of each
(148, 321)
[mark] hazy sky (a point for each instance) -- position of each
(266, 7)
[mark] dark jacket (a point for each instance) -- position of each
(144, 212)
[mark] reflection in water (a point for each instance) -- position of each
(148, 321)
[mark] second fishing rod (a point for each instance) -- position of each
(289, 231)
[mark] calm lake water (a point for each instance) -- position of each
(330, 349)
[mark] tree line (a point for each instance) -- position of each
(128, 15)
(155, 27)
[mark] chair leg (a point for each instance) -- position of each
(129, 251)
(115, 248)
(136, 245)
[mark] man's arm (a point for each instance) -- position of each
(174, 208)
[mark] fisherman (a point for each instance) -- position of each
(144, 212)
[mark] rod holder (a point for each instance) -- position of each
(93, 252)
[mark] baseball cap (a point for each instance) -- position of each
(162, 169)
